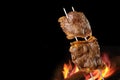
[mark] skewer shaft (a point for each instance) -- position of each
(76, 38)
(101, 74)
(65, 12)
(91, 76)
(67, 18)
(73, 8)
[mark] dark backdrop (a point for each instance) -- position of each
(43, 45)
(104, 20)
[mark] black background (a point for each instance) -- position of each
(104, 20)
(42, 45)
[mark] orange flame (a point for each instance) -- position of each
(104, 73)
(108, 71)
(68, 70)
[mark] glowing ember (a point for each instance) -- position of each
(68, 70)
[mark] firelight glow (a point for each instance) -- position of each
(68, 70)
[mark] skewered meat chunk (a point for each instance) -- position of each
(86, 54)
(75, 25)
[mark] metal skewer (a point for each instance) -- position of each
(90, 72)
(91, 76)
(68, 20)
(76, 38)
(85, 40)
(65, 12)
(101, 74)
(84, 37)
(73, 8)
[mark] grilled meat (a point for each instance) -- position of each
(84, 53)
(75, 25)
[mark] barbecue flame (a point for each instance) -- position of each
(108, 71)
(68, 70)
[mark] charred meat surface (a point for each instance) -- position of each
(75, 25)
(86, 54)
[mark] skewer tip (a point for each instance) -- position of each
(65, 12)
(73, 8)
